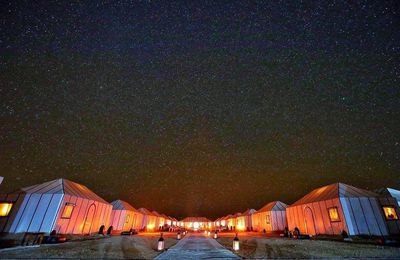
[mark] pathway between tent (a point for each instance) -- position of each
(197, 246)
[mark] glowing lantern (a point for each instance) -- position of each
(236, 243)
(178, 236)
(208, 233)
(161, 243)
(215, 235)
(205, 232)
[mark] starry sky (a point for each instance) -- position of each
(200, 107)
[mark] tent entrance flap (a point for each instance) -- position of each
(309, 221)
(87, 226)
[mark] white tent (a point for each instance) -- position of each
(125, 217)
(339, 207)
(149, 220)
(160, 220)
(61, 205)
(271, 217)
(244, 220)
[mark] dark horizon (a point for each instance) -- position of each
(200, 109)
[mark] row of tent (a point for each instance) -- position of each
(328, 210)
(71, 208)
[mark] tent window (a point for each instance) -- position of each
(334, 214)
(5, 208)
(268, 219)
(68, 209)
(390, 213)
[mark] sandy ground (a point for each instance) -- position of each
(116, 247)
(272, 247)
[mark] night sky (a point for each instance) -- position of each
(200, 108)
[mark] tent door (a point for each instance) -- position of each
(87, 226)
(309, 221)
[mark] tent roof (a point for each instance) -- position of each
(274, 206)
(196, 219)
(122, 205)
(332, 191)
(155, 213)
(390, 192)
(146, 211)
(165, 216)
(248, 212)
(63, 186)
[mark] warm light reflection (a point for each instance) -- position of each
(5, 208)
(390, 213)
(150, 226)
(333, 214)
(69, 207)
(196, 225)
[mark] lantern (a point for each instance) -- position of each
(236, 243)
(178, 236)
(205, 232)
(215, 235)
(208, 233)
(161, 243)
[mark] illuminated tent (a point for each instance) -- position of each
(244, 220)
(231, 221)
(224, 221)
(271, 217)
(339, 207)
(217, 223)
(168, 220)
(125, 217)
(149, 219)
(175, 222)
(61, 205)
(196, 223)
(390, 193)
(160, 221)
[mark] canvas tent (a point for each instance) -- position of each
(125, 217)
(160, 220)
(149, 219)
(231, 221)
(389, 192)
(271, 217)
(167, 220)
(339, 207)
(61, 205)
(244, 220)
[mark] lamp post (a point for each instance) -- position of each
(161, 243)
(236, 243)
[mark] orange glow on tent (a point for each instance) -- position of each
(5, 209)
(334, 214)
(150, 226)
(67, 210)
(390, 213)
